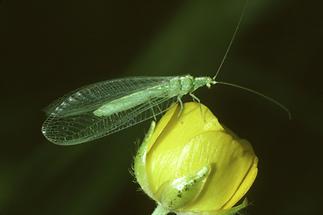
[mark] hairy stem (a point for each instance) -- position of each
(160, 210)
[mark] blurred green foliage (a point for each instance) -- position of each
(49, 48)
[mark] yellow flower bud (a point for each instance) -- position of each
(190, 164)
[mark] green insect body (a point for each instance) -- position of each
(103, 108)
(175, 87)
(107, 107)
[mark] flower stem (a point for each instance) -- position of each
(160, 210)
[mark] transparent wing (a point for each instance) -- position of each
(89, 98)
(75, 129)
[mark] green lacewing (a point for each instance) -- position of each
(103, 108)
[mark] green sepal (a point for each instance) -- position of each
(140, 162)
(176, 193)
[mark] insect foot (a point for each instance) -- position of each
(192, 165)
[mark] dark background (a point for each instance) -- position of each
(48, 48)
